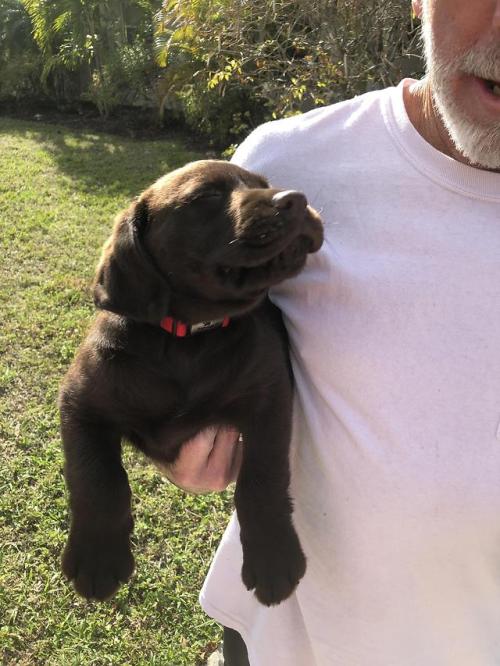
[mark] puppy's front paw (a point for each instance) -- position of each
(273, 568)
(98, 563)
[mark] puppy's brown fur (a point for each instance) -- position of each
(203, 243)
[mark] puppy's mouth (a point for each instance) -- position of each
(265, 273)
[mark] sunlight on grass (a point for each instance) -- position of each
(59, 192)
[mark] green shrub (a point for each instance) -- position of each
(260, 60)
(20, 78)
(126, 78)
(220, 66)
(220, 116)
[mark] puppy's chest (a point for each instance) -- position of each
(215, 368)
(203, 374)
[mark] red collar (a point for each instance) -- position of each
(181, 330)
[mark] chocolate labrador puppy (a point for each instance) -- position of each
(186, 339)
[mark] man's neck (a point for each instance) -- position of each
(426, 119)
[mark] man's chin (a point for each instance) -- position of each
(475, 145)
(477, 140)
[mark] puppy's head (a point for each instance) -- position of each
(205, 241)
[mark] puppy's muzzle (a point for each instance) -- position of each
(285, 217)
(271, 221)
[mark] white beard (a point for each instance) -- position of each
(479, 143)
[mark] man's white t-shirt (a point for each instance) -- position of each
(395, 341)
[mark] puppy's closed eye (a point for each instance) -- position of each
(206, 194)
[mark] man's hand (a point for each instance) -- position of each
(208, 462)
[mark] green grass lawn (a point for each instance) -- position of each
(59, 192)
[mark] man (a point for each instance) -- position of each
(395, 341)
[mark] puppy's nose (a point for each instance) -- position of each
(291, 201)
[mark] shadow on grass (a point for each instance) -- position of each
(104, 163)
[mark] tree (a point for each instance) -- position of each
(19, 57)
(273, 59)
(92, 45)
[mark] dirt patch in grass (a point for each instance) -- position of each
(129, 122)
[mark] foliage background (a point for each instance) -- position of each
(221, 67)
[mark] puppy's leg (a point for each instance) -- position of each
(97, 556)
(273, 560)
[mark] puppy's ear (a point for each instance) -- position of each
(127, 282)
